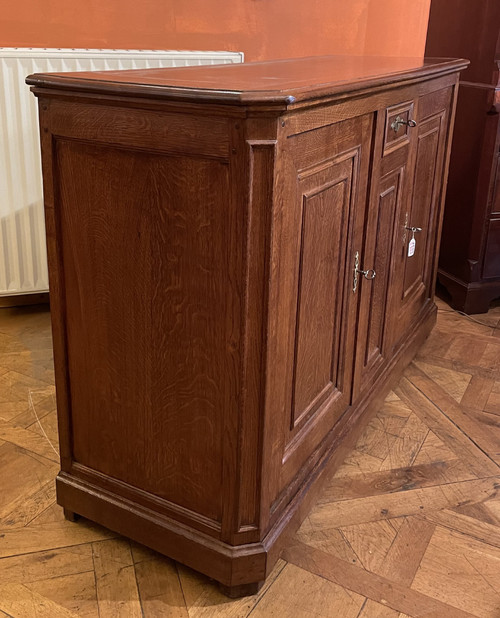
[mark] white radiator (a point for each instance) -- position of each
(23, 263)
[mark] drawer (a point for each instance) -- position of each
(398, 119)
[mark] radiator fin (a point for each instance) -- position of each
(23, 262)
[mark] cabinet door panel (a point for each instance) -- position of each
(310, 376)
(412, 274)
(325, 214)
(372, 348)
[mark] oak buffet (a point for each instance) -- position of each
(232, 285)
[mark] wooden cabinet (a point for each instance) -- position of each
(469, 263)
(231, 286)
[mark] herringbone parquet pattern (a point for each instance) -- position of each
(408, 526)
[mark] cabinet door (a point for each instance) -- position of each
(406, 192)
(412, 272)
(311, 376)
(389, 196)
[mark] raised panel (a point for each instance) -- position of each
(313, 309)
(151, 418)
(372, 347)
(325, 211)
(389, 205)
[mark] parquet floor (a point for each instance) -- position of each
(409, 525)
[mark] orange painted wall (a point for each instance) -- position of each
(263, 29)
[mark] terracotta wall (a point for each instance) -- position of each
(263, 29)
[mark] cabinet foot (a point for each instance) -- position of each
(70, 515)
(242, 590)
(470, 298)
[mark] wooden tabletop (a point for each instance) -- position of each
(280, 81)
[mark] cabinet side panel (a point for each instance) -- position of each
(152, 317)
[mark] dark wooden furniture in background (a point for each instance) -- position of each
(469, 263)
(219, 335)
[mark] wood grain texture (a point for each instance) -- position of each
(317, 344)
(403, 559)
(317, 336)
(466, 570)
(160, 589)
(18, 600)
(445, 428)
(411, 286)
(442, 560)
(377, 588)
(116, 585)
(186, 309)
(292, 80)
(217, 337)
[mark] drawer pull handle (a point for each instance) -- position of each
(367, 274)
(399, 122)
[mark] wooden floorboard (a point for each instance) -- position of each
(408, 526)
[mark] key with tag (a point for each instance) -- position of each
(412, 244)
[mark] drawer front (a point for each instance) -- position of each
(398, 124)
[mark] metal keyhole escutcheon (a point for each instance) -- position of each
(367, 274)
(399, 122)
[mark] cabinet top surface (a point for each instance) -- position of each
(279, 81)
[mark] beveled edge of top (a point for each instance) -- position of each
(295, 80)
